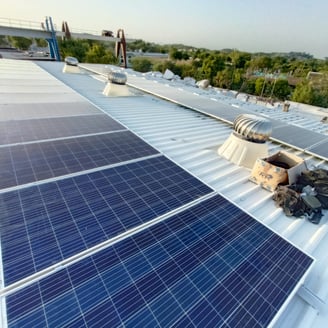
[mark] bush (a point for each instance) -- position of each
(142, 65)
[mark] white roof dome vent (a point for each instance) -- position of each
(253, 128)
(117, 77)
(116, 86)
(71, 65)
(247, 143)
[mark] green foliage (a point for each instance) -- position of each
(20, 42)
(223, 79)
(310, 93)
(74, 48)
(280, 89)
(248, 86)
(4, 41)
(178, 54)
(87, 51)
(239, 59)
(140, 45)
(168, 64)
(41, 43)
(142, 65)
(303, 93)
(261, 63)
(260, 86)
(212, 64)
(97, 53)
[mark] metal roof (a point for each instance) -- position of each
(191, 139)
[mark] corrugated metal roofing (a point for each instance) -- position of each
(191, 140)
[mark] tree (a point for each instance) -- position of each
(303, 93)
(20, 42)
(74, 48)
(280, 89)
(97, 53)
(176, 54)
(142, 65)
(4, 41)
(260, 86)
(223, 78)
(248, 86)
(41, 43)
(239, 59)
(262, 63)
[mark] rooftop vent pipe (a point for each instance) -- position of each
(116, 86)
(71, 65)
(247, 142)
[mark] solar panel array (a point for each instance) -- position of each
(25, 163)
(51, 222)
(100, 229)
(18, 131)
(291, 135)
(210, 265)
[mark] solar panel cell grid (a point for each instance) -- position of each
(33, 162)
(59, 219)
(12, 132)
(191, 269)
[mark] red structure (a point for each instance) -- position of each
(120, 48)
(65, 29)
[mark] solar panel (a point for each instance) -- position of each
(27, 163)
(42, 110)
(210, 265)
(48, 128)
(297, 136)
(321, 149)
(44, 224)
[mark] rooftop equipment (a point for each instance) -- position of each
(71, 65)
(247, 142)
(116, 86)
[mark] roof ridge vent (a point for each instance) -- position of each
(247, 142)
(116, 86)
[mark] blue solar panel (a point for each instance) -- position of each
(12, 132)
(44, 224)
(32, 162)
(210, 265)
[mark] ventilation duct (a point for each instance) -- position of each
(247, 142)
(116, 86)
(71, 65)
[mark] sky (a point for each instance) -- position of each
(245, 25)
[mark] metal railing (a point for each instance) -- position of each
(24, 24)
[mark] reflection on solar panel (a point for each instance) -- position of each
(321, 148)
(48, 128)
(45, 224)
(39, 110)
(210, 265)
(37, 161)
